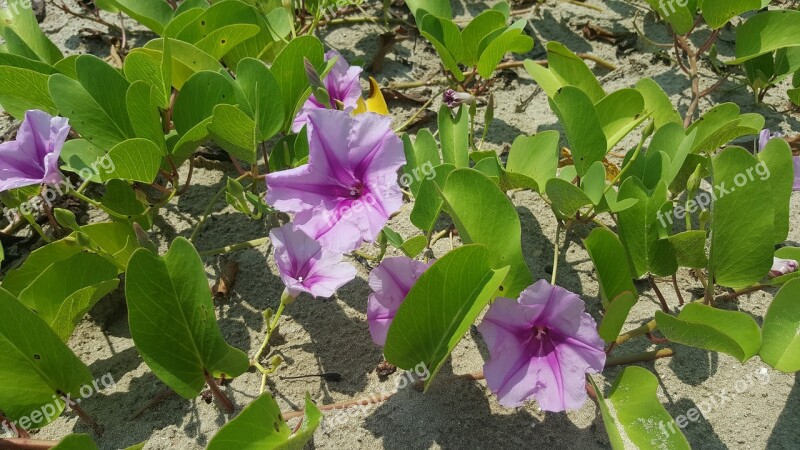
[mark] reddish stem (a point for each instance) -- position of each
(26, 444)
(220, 396)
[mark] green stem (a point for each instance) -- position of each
(236, 247)
(644, 329)
(555, 255)
(95, 203)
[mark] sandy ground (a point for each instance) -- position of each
(332, 335)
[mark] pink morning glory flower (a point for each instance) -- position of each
(346, 193)
(796, 161)
(33, 157)
(782, 267)
(342, 84)
(765, 136)
(307, 267)
(390, 282)
(541, 345)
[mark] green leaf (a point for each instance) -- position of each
(202, 92)
(18, 279)
(289, 71)
(154, 14)
(35, 366)
(566, 198)
(76, 442)
(19, 28)
(234, 131)
(454, 136)
(440, 307)
(481, 26)
(690, 248)
(742, 232)
(536, 157)
(261, 426)
(121, 198)
(263, 94)
(187, 143)
(222, 40)
(719, 12)
(186, 60)
(777, 170)
(641, 228)
(615, 316)
(86, 115)
(171, 293)
(83, 158)
(65, 291)
(134, 160)
(606, 251)
(144, 114)
(446, 39)
(582, 126)
(147, 65)
(570, 70)
(512, 40)
(732, 332)
(679, 15)
(657, 104)
(766, 32)
(722, 124)
(422, 156)
(633, 415)
(414, 246)
(107, 87)
(420, 8)
(428, 202)
(24, 89)
(781, 346)
(619, 113)
(484, 215)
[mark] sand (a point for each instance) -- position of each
(332, 335)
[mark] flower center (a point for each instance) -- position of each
(356, 190)
(300, 279)
(541, 332)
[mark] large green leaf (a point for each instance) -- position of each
(171, 293)
(484, 215)
(420, 8)
(197, 99)
(454, 136)
(154, 14)
(64, 292)
(186, 60)
(679, 15)
(566, 198)
(428, 203)
(19, 28)
(701, 326)
(766, 32)
(76, 442)
(719, 12)
(641, 228)
(289, 71)
(619, 113)
(570, 70)
(777, 170)
(263, 94)
(535, 157)
(35, 366)
(107, 87)
(135, 160)
(24, 89)
(260, 426)
(742, 233)
(606, 251)
(657, 104)
(234, 131)
(440, 307)
(144, 114)
(481, 26)
(513, 40)
(147, 65)
(633, 415)
(446, 39)
(582, 125)
(781, 346)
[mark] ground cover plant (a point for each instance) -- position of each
(679, 205)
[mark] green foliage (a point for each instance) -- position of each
(171, 293)
(781, 345)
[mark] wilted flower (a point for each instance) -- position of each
(33, 157)
(765, 136)
(782, 267)
(542, 346)
(348, 190)
(390, 282)
(454, 99)
(307, 267)
(342, 84)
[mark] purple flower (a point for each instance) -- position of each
(342, 84)
(33, 157)
(796, 160)
(782, 267)
(765, 136)
(307, 267)
(541, 346)
(348, 190)
(390, 282)
(454, 99)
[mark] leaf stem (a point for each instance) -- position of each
(218, 394)
(555, 256)
(640, 357)
(664, 305)
(649, 327)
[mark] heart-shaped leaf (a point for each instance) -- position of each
(781, 330)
